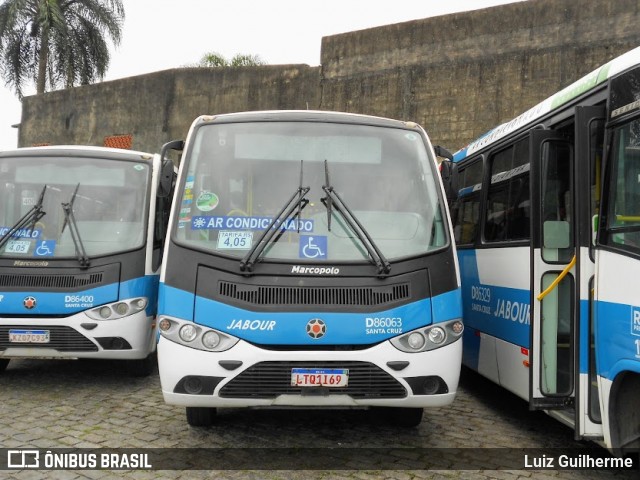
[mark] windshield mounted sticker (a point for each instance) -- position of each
(187, 199)
(411, 137)
(18, 246)
(20, 233)
(313, 247)
(45, 248)
(249, 223)
(207, 201)
(20, 240)
(234, 240)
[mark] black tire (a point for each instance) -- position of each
(201, 416)
(400, 417)
(142, 367)
(3, 364)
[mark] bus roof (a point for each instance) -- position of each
(78, 151)
(586, 83)
(306, 115)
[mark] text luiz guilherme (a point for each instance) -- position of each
(584, 461)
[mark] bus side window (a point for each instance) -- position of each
(623, 220)
(508, 206)
(466, 210)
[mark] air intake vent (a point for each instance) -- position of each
(348, 296)
(50, 281)
(270, 379)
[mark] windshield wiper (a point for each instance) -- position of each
(297, 201)
(70, 219)
(333, 200)
(34, 214)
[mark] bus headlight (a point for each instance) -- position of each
(457, 327)
(196, 336)
(121, 308)
(437, 335)
(116, 310)
(140, 303)
(211, 339)
(416, 340)
(164, 325)
(188, 332)
(429, 338)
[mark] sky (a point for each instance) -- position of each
(164, 34)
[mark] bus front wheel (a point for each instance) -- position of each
(200, 416)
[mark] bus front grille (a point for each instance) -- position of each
(61, 339)
(338, 296)
(50, 281)
(270, 379)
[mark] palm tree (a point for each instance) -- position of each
(57, 42)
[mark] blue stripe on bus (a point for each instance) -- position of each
(501, 312)
(67, 303)
(175, 302)
(460, 155)
(584, 336)
(446, 306)
(290, 327)
(57, 303)
(617, 338)
(146, 286)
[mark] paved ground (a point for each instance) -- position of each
(88, 404)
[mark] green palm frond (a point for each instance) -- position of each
(56, 43)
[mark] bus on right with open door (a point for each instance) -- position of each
(546, 217)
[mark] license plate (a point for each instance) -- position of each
(313, 377)
(29, 336)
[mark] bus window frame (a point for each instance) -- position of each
(481, 160)
(509, 143)
(609, 170)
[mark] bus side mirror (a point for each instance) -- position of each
(446, 173)
(442, 152)
(167, 172)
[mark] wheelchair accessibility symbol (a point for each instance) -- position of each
(45, 248)
(313, 247)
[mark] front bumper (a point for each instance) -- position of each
(247, 386)
(78, 336)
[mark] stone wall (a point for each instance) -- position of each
(159, 107)
(457, 75)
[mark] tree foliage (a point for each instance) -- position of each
(214, 59)
(55, 43)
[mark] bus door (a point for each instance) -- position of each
(554, 287)
(589, 135)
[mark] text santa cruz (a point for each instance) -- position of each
(507, 309)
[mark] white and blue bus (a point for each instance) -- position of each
(309, 264)
(81, 241)
(546, 215)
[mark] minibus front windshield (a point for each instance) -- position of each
(92, 205)
(241, 176)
